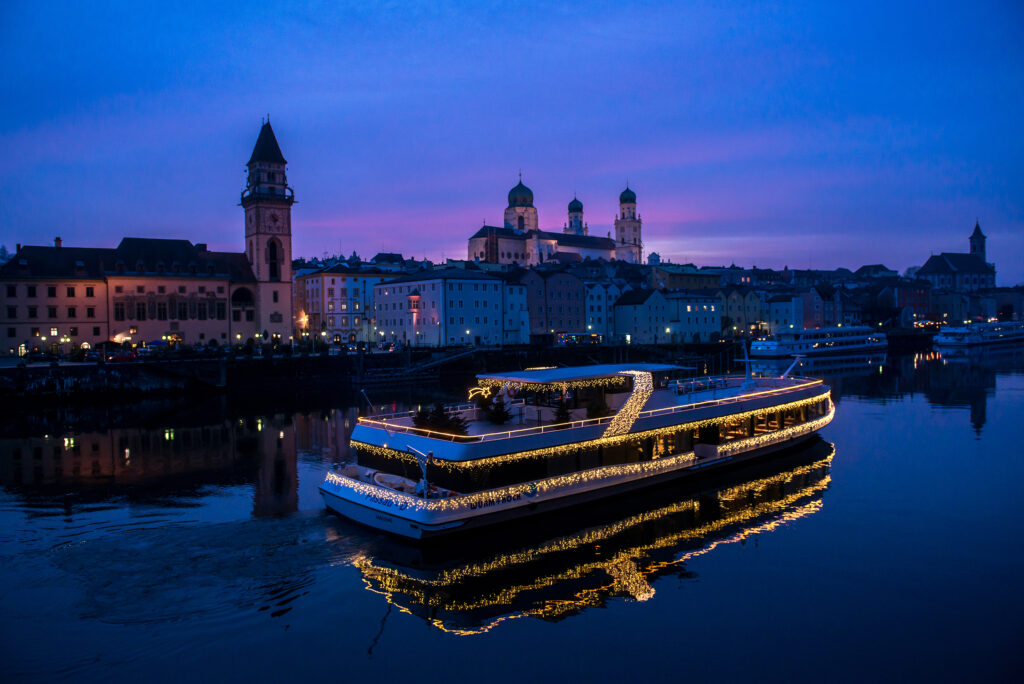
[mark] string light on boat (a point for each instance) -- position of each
(611, 381)
(480, 392)
(643, 387)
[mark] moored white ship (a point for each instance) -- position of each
(815, 341)
(974, 334)
(419, 482)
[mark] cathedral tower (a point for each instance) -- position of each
(576, 225)
(267, 201)
(521, 215)
(628, 243)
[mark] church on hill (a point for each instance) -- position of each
(521, 241)
(961, 272)
(160, 291)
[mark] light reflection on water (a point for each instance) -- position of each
(145, 542)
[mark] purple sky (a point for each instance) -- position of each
(828, 134)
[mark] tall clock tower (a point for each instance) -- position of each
(267, 200)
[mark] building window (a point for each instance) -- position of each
(275, 296)
(222, 311)
(35, 332)
(249, 315)
(161, 289)
(12, 332)
(119, 289)
(140, 311)
(118, 311)
(161, 311)
(201, 311)
(12, 312)
(12, 290)
(51, 291)
(236, 315)
(53, 332)
(90, 292)
(71, 291)
(72, 312)
(96, 331)
(31, 290)
(73, 331)
(140, 289)
(51, 312)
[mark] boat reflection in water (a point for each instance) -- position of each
(833, 366)
(593, 553)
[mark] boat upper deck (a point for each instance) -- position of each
(674, 401)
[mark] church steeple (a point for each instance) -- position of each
(977, 242)
(267, 200)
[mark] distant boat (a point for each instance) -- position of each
(974, 334)
(814, 341)
(418, 483)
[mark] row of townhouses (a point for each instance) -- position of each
(519, 285)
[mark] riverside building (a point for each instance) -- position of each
(145, 290)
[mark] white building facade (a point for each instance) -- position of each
(450, 307)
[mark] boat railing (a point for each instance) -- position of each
(449, 408)
(798, 384)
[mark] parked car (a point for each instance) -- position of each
(122, 356)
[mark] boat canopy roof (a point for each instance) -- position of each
(571, 375)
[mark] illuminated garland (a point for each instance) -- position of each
(586, 444)
(552, 485)
(643, 387)
(611, 381)
(601, 534)
(394, 581)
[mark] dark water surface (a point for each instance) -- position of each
(175, 543)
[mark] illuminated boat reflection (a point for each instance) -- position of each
(581, 564)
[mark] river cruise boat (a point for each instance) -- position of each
(814, 341)
(974, 334)
(651, 426)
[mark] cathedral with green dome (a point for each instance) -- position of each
(521, 241)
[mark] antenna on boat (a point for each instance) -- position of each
(367, 398)
(796, 360)
(423, 459)
(383, 423)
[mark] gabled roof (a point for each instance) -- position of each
(563, 239)
(388, 258)
(634, 297)
(138, 256)
(573, 240)
(949, 263)
(266, 148)
(57, 262)
(499, 231)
